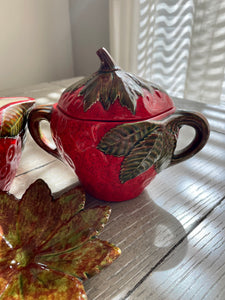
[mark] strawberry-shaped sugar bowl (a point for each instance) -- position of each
(116, 131)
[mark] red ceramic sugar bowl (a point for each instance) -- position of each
(13, 120)
(116, 131)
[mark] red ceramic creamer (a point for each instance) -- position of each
(116, 131)
(13, 121)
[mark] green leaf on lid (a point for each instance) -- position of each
(110, 83)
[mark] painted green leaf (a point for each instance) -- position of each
(79, 229)
(110, 83)
(108, 87)
(170, 142)
(48, 246)
(34, 208)
(43, 284)
(13, 118)
(140, 143)
(84, 262)
(8, 220)
(142, 157)
(120, 140)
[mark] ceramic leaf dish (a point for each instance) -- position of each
(49, 246)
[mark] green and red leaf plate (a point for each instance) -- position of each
(49, 246)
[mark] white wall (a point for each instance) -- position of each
(90, 31)
(35, 42)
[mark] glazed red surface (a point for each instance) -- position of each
(148, 106)
(11, 147)
(77, 140)
(10, 154)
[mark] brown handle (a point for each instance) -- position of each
(37, 115)
(201, 127)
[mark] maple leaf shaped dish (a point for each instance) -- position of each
(49, 246)
(13, 121)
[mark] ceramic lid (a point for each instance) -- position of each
(110, 94)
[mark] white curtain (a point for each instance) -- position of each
(178, 44)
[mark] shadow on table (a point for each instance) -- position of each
(146, 234)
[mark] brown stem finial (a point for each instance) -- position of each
(107, 62)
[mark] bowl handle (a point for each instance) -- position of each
(38, 114)
(202, 131)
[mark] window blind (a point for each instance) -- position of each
(179, 44)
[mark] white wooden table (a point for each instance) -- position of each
(172, 236)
